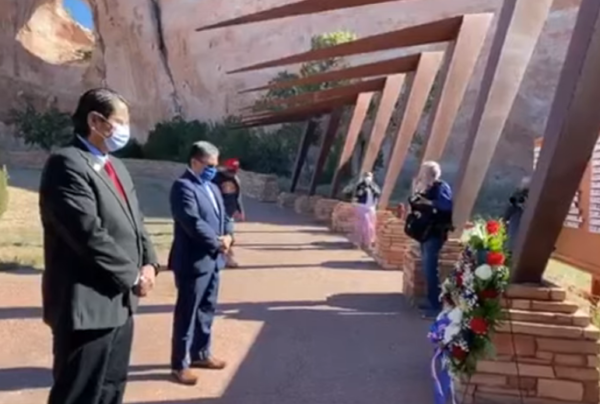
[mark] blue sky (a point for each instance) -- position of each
(80, 11)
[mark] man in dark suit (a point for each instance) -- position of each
(203, 234)
(98, 257)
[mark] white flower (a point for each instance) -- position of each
(455, 315)
(484, 272)
(451, 331)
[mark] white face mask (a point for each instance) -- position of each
(119, 138)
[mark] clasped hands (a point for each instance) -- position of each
(226, 242)
(146, 281)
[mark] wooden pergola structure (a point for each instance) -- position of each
(572, 128)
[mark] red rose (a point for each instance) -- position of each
(459, 280)
(488, 294)
(478, 325)
(458, 353)
(495, 258)
(492, 227)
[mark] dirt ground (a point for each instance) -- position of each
(307, 319)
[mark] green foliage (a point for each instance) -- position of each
(3, 190)
(45, 129)
(309, 69)
(133, 150)
(258, 150)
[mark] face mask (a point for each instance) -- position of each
(208, 174)
(119, 138)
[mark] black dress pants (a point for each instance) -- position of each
(90, 366)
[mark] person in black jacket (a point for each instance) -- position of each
(432, 203)
(98, 256)
(231, 189)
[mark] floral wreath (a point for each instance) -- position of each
(471, 296)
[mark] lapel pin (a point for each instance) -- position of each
(97, 167)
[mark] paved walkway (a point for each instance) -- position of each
(308, 320)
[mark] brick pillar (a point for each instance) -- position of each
(549, 343)
(287, 199)
(413, 284)
(323, 209)
(305, 204)
(391, 243)
(343, 218)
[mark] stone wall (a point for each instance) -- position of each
(343, 218)
(413, 285)
(261, 187)
(324, 210)
(391, 242)
(305, 204)
(546, 354)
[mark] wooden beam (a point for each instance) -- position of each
(403, 64)
(325, 148)
(358, 117)
(427, 70)
(305, 143)
(317, 96)
(387, 105)
(294, 9)
(317, 107)
(520, 24)
(461, 58)
(438, 31)
(569, 140)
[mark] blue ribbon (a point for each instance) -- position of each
(444, 388)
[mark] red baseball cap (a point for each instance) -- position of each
(232, 164)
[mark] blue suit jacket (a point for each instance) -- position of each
(195, 248)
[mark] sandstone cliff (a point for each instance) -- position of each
(149, 51)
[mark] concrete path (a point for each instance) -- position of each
(307, 320)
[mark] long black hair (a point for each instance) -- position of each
(100, 100)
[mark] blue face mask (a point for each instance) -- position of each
(208, 174)
(119, 139)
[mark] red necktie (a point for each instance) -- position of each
(110, 170)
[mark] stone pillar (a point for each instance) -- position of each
(413, 285)
(287, 199)
(547, 353)
(343, 218)
(305, 204)
(391, 242)
(323, 209)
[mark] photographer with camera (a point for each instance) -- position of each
(429, 222)
(514, 211)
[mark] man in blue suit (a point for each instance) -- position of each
(203, 233)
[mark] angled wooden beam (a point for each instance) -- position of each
(519, 26)
(422, 84)
(278, 120)
(571, 134)
(325, 148)
(361, 108)
(316, 107)
(438, 31)
(387, 104)
(461, 58)
(307, 138)
(402, 64)
(294, 9)
(317, 96)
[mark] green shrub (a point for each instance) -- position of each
(171, 140)
(133, 150)
(3, 190)
(46, 129)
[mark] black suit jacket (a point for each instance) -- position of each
(94, 242)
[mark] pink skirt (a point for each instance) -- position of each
(364, 225)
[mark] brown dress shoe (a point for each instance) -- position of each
(185, 376)
(210, 363)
